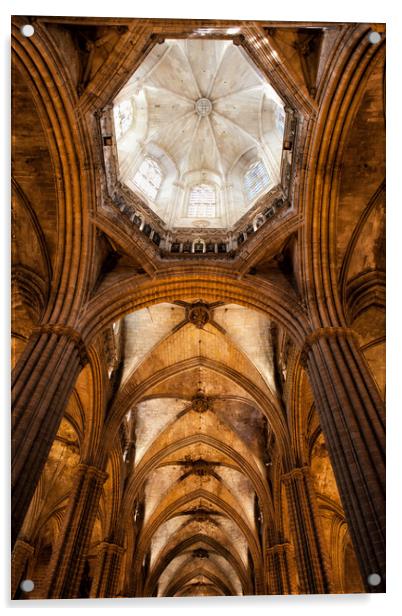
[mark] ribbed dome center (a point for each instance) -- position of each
(203, 106)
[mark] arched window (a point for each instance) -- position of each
(280, 118)
(148, 178)
(123, 117)
(256, 180)
(202, 202)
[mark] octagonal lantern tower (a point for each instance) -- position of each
(199, 133)
(199, 148)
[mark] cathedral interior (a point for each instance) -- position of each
(198, 308)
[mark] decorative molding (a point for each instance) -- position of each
(198, 314)
(200, 403)
(365, 290)
(67, 331)
(112, 548)
(296, 473)
(280, 547)
(200, 553)
(92, 472)
(325, 332)
(22, 542)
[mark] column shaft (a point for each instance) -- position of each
(352, 418)
(42, 383)
(311, 559)
(281, 575)
(66, 567)
(106, 580)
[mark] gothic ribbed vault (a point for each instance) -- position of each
(198, 293)
(205, 118)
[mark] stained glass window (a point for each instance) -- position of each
(256, 180)
(148, 178)
(123, 117)
(280, 118)
(202, 202)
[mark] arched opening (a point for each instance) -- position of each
(202, 202)
(148, 178)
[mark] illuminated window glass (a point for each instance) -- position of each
(280, 118)
(123, 117)
(256, 180)
(148, 178)
(202, 202)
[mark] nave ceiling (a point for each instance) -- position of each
(193, 396)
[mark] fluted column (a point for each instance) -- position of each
(311, 559)
(42, 383)
(281, 574)
(352, 418)
(21, 553)
(65, 568)
(107, 574)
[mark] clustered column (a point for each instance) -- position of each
(352, 417)
(42, 383)
(281, 573)
(107, 575)
(311, 559)
(67, 565)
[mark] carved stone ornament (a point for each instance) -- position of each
(200, 553)
(199, 467)
(198, 314)
(200, 402)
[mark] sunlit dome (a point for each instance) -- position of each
(199, 133)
